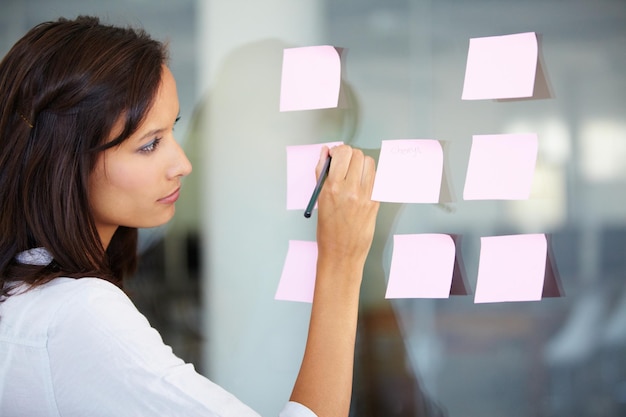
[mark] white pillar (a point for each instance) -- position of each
(254, 344)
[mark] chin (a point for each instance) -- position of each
(155, 222)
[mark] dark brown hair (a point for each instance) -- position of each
(63, 86)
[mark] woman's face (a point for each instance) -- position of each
(137, 183)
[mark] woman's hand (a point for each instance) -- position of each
(346, 212)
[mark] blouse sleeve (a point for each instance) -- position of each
(106, 359)
(294, 409)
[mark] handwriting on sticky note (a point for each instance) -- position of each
(501, 167)
(422, 266)
(311, 78)
(301, 162)
(297, 280)
(511, 268)
(501, 67)
(409, 171)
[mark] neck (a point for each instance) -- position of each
(106, 234)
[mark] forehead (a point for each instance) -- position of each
(161, 114)
(167, 89)
(165, 105)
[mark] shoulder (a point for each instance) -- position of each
(63, 303)
(86, 284)
(63, 288)
(82, 296)
(100, 324)
(84, 291)
(46, 299)
(93, 303)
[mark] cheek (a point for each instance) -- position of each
(131, 178)
(120, 184)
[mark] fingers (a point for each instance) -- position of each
(355, 170)
(353, 166)
(369, 173)
(324, 153)
(341, 155)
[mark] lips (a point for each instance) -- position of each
(171, 198)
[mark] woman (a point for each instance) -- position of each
(87, 156)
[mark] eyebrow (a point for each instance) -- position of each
(154, 132)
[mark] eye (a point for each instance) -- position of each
(150, 147)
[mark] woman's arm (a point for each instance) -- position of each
(345, 228)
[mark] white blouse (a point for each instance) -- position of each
(79, 347)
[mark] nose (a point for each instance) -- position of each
(181, 166)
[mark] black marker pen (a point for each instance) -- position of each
(318, 188)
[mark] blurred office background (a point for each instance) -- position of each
(207, 280)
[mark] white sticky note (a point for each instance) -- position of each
(501, 167)
(297, 281)
(511, 268)
(409, 171)
(501, 67)
(422, 266)
(311, 78)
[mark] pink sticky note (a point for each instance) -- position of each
(511, 268)
(311, 78)
(297, 280)
(301, 163)
(501, 67)
(501, 167)
(421, 266)
(409, 171)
